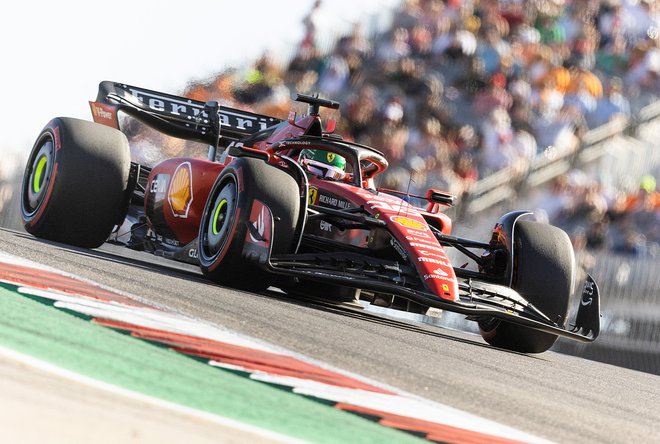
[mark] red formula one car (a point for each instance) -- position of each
(291, 204)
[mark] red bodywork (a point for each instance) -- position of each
(345, 231)
(406, 223)
(176, 194)
(178, 188)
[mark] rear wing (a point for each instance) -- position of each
(176, 116)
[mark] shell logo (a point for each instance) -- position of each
(181, 194)
(407, 222)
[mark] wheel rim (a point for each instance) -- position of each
(40, 174)
(219, 221)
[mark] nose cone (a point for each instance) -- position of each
(424, 250)
(412, 232)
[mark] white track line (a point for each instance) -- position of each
(113, 389)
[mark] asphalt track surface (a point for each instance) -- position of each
(556, 397)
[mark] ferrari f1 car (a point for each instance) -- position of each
(288, 203)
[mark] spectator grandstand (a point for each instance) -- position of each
(458, 91)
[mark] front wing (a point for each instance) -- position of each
(477, 299)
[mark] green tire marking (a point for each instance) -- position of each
(55, 336)
(216, 214)
(38, 172)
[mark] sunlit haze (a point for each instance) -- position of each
(55, 53)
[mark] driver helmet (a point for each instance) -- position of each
(323, 164)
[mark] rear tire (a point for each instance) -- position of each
(75, 182)
(544, 274)
(223, 228)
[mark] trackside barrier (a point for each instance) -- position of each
(10, 190)
(630, 306)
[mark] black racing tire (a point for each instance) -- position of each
(223, 227)
(75, 182)
(544, 274)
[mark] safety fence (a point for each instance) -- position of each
(630, 307)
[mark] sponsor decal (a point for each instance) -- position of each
(192, 253)
(157, 104)
(399, 249)
(295, 143)
(257, 235)
(380, 197)
(427, 242)
(394, 207)
(439, 273)
(442, 277)
(187, 108)
(259, 227)
(439, 259)
(444, 262)
(101, 113)
(427, 246)
(499, 236)
(104, 114)
(158, 186)
(168, 241)
(312, 195)
(407, 222)
(587, 293)
(431, 260)
(380, 205)
(419, 233)
(333, 201)
(325, 226)
(242, 122)
(388, 203)
(181, 192)
(429, 253)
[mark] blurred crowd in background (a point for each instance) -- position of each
(601, 218)
(454, 90)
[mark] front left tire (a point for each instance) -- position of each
(544, 274)
(225, 220)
